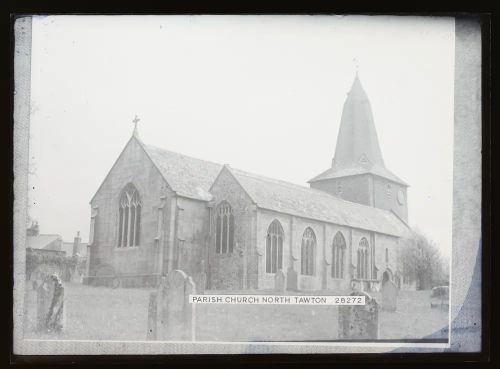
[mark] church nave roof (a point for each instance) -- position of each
(290, 198)
(187, 176)
(193, 178)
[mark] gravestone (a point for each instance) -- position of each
(152, 316)
(359, 321)
(50, 305)
(175, 314)
(280, 281)
(201, 282)
(389, 296)
(291, 280)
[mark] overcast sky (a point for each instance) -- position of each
(261, 93)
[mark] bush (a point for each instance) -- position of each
(66, 264)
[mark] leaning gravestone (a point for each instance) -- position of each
(359, 321)
(50, 305)
(280, 281)
(176, 316)
(389, 296)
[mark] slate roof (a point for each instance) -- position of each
(187, 176)
(306, 202)
(44, 242)
(192, 178)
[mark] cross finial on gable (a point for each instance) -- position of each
(135, 121)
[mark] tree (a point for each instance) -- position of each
(421, 261)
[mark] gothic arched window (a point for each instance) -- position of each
(274, 247)
(363, 266)
(129, 226)
(224, 232)
(308, 252)
(338, 252)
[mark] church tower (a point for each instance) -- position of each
(358, 172)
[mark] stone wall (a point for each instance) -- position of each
(336, 283)
(383, 242)
(294, 228)
(179, 233)
(193, 236)
(133, 166)
(352, 188)
(264, 220)
(356, 236)
(386, 197)
(236, 270)
(367, 189)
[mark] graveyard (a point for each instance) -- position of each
(103, 313)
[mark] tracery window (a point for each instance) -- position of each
(363, 261)
(274, 247)
(224, 234)
(308, 254)
(338, 255)
(129, 226)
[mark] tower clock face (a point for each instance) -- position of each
(401, 197)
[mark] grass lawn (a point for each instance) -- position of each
(265, 322)
(100, 313)
(413, 318)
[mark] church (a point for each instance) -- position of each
(159, 210)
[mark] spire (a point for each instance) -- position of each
(357, 141)
(358, 150)
(136, 131)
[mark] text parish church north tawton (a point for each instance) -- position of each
(158, 211)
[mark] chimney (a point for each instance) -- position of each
(34, 230)
(76, 243)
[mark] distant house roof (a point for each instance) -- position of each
(68, 248)
(187, 176)
(44, 242)
(305, 202)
